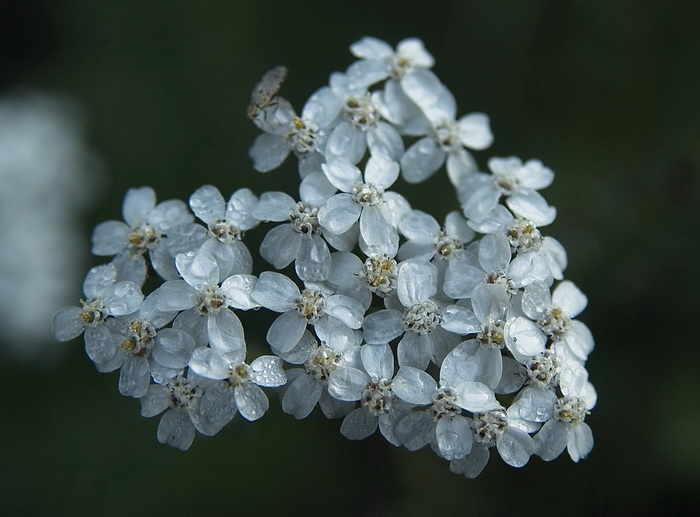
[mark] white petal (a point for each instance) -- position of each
(275, 291)
(494, 252)
(550, 441)
(281, 246)
(173, 348)
(286, 331)
(134, 377)
(198, 268)
(415, 430)
(419, 225)
(98, 280)
(536, 300)
(531, 205)
(579, 339)
(461, 279)
(109, 238)
(527, 268)
(67, 324)
(475, 397)
(315, 188)
(359, 424)
(208, 204)
(385, 140)
(460, 320)
(170, 214)
(460, 165)
(175, 295)
(382, 326)
(454, 437)
(482, 199)
(421, 160)
(381, 171)
(336, 334)
(301, 396)
(426, 90)
(322, 107)
(375, 230)
(414, 385)
(155, 401)
(475, 131)
(415, 350)
(267, 371)
(138, 202)
(569, 298)
(251, 401)
(534, 175)
(268, 152)
(371, 48)
(100, 345)
(123, 298)
(274, 206)
(132, 268)
(346, 309)
(459, 366)
(524, 337)
(238, 290)
(489, 302)
(347, 383)
(473, 464)
(416, 282)
(226, 334)
(378, 360)
(580, 442)
(515, 447)
(210, 363)
(240, 207)
(313, 263)
(339, 213)
(216, 407)
(534, 404)
(346, 143)
(176, 429)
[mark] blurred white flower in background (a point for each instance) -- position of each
(47, 178)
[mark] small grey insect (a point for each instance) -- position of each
(265, 92)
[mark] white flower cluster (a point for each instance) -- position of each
(48, 176)
(433, 334)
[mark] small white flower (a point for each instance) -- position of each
(241, 382)
(446, 141)
(515, 181)
(308, 386)
(142, 349)
(494, 428)
(144, 231)
(304, 135)
(422, 337)
(205, 302)
(365, 200)
(361, 126)
(179, 397)
(300, 241)
(104, 297)
(554, 315)
(567, 429)
(334, 317)
(427, 240)
(371, 386)
(227, 223)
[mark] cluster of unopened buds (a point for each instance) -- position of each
(458, 334)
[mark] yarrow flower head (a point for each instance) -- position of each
(461, 335)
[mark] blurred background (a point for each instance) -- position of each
(155, 92)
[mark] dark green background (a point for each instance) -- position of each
(603, 92)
